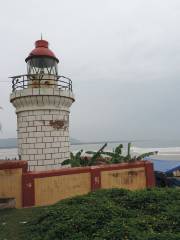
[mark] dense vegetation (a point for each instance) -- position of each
(115, 214)
(12, 222)
(104, 157)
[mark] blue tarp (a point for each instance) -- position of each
(173, 169)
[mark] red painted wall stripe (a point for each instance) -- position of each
(95, 178)
(28, 191)
(13, 164)
(150, 177)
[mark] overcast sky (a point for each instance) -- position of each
(123, 57)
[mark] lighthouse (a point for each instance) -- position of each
(42, 99)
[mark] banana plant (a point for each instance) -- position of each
(116, 156)
(75, 159)
(96, 155)
(142, 156)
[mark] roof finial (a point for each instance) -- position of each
(41, 36)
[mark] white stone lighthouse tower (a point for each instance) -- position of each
(42, 100)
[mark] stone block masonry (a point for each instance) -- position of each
(40, 142)
(43, 127)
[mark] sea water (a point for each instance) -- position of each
(168, 151)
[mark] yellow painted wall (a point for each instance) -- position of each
(11, 184)
(49, 190)
(132, 179)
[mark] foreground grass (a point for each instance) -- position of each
(106, 214)
(13, 221)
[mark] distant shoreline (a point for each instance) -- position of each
(72, 143)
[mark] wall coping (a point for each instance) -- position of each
(76, 170)
(13, 164)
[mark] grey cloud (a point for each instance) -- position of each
(123, 58)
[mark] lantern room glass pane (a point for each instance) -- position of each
(42, 65)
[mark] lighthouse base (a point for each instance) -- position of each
(43, 138)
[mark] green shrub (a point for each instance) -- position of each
(118, 214)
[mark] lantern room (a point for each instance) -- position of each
(42, 70)
(42, 60)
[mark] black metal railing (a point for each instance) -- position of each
(40, 81)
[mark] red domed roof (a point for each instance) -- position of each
(41, 49)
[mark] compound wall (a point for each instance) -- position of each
(48, 187)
